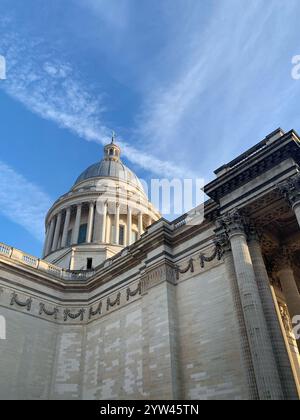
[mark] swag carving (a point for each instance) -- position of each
(44, 310)
(69, 314)
(216, 254)
(190, 267)
(111, 304)
(135, 292)
(25, 304)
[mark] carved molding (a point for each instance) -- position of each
(151, 278)
(44, 310)
(15, 300)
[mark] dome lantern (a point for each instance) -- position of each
(112, 151)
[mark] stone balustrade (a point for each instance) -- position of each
(42, 265)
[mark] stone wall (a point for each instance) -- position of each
(177, 339)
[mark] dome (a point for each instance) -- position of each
(110, 166)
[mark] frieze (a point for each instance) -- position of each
(134, 293)
(97, 311)
(216, 254)
(25, 304)
(190, 268)
(116, 302)
(157, 275)
(69, 314)
(43, 310)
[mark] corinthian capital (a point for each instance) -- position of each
(290, 189)
(233, 222)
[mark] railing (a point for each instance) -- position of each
(43, 265)
(181, 221)
(78, 274)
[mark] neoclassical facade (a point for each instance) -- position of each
(126, 305)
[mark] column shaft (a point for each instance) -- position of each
(77, 225)
(117, 225)
(57, 230)
(104, 223)
(267, 376)
(129, 226)
(140, 227)
(290, 290)
(244, 342)
(50, 236)
(46, 240)
(89, 234)
(66, 228)
(279, 344)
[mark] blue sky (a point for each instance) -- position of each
(186, 84)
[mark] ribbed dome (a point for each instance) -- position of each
(110, 167)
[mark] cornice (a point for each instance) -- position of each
(287, 146)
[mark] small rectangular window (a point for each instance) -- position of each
(69, 238)
(89, 264)
(122, 235)
(82, 234)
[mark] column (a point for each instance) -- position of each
(279, 342)
(57, 230)
(98, 221)
(77, 224)
(66, 228)
(283, 266)
(129, 226)
(290, 189)
(140, 224)
(263, 359)
(247, 363)
(117, 224)
(50, 236)
(46, 240)
(89, 234)
(104, 223)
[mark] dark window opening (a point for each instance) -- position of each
(82, 234)
(69, 238)
(122, 235)
(89, 263)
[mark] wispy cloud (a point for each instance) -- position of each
(23, 202)
(222, 77)
(52, 89)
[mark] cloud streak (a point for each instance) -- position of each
(22, 202)
(51, 89)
